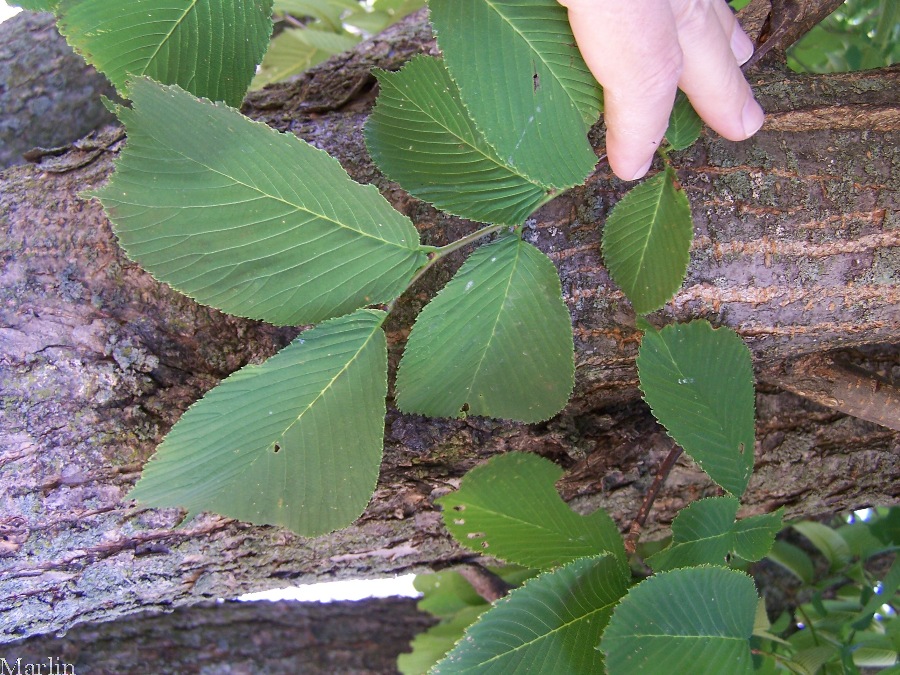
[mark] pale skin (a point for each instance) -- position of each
(641, 51)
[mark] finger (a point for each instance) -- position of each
(633, 51)
(711, 77)
(741, 45)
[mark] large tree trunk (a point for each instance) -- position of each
(237, 638)
(797, 248)
(48, 95)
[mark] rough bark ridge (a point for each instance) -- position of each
(239, 639)
(797, 248)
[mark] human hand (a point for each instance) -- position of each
(642, 51)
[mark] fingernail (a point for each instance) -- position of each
(752, 117)
(644, 169)
(741, 46)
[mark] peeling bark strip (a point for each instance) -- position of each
(796, 252)
(844, 387)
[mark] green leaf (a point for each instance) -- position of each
(36, 5)
(421, 136)
(453, 600)
(755, 536)
(885, 595)
(287, 56)
(793, 559)
(250, 221)
(326, 41)
(706, 532)
(398, 8)
(297, 49)
(430, 646)
(684, 123)
(811, 660)
(496, 341)
(698, 382)
(295, 441)
(327, 12)
(827, 540)
(509, 509)
(647, 241)
(209, 47)
(524, 82)
(445, 593)
(701, 534)
(692, 620)
(549, 625)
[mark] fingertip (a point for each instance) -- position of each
(641, 172)
(741, 45)
(752, 117)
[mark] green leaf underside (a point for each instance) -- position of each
(698, 382)
(421, 136)
(295, 441)
(297, 49)
(248, 220)
(684, 123)
(550, 625)
(509, 509)
(497, 338)
(524, 83)
(209, 47)
(696, 620)
(706, 532)
(647, 242)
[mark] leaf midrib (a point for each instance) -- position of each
(296, 208)
(537, 52)
(168, 36)
(375, 328)
(657, 206)
(493, 159)
(546, 635)
(502, 303)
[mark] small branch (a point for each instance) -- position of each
(634, 532)
(844, 387)
(787, 22)
(487, 584)
(436, 254)
(464, 241)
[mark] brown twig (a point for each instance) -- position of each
(487, 584)
(634, 532)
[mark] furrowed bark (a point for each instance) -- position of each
(797, 248)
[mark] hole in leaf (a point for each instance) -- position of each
(741, 448)
(536, 81)
(276, 448)
(484, 544)
(465, 408)
(459, 507)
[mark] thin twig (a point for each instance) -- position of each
(436, 254)
(488, 585)
(634, 532)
